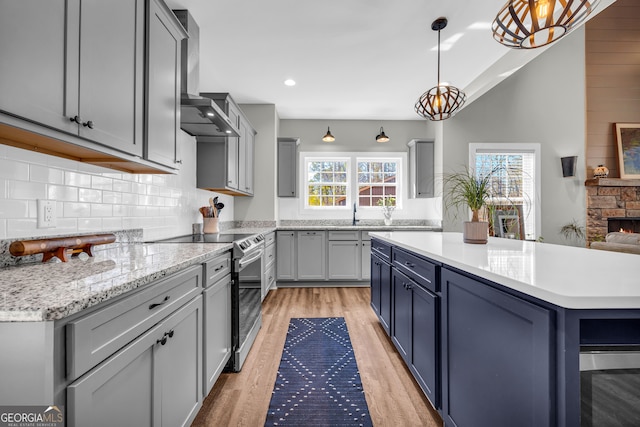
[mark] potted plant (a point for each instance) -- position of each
(464, 190)
(388, 204)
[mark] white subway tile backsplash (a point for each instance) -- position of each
(46, 174)
(100, 210)
(89, 224)
(112, 224)
(62, 193)
(111, 197)
(76, 210)
(101, 183)
(24, 228)
(122, 186)
(89, 196)
(138, 188)
(3, 188)
(77, 179)
(129, 199)
(14, 170)
(14, 208)
(153, 190)
(24, 190)
(3, 228)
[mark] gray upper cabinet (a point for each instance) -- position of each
(421, 168)
(105, 64)
(34, 68)
(225, 164)
(288, 167)
(164, 35)
(74, 85)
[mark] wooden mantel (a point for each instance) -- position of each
(612, 182)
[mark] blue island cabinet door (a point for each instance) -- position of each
(496, 356)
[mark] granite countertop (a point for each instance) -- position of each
(360, 227)
(570, 277)
(51, 291)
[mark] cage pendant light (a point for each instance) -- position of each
(528, 24)
(442, 101)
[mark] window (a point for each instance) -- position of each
(377, 182)
(515, 183)
(327, 182)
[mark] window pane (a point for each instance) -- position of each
(340, 190)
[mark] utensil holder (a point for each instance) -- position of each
(210, 225)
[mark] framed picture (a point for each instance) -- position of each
(628, 139)
(507, 223)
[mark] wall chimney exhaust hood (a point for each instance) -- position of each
(199, 115)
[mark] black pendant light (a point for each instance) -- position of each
(527, 24)
(442, 101)
(328, 137)
(382, 137)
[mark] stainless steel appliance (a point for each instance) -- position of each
(610, 386)
(246, 276)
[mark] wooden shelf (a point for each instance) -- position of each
(612, 182)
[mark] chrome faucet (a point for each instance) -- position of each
(354, 215)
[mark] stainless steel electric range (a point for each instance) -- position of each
(246, 276)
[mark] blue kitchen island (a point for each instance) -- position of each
(501, 334)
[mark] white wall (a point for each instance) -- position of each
(359, 136)
(93, 199)
(544, 102)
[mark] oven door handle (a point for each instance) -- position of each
(242, 262)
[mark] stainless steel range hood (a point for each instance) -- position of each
(199, 115)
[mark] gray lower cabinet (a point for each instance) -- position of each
(270, 256)
(164, 36)
(311, 255)
(217, 330)
(286, 255)
(153, 381)
(365, 258)
(344, 255)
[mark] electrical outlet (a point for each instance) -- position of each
(46, 213)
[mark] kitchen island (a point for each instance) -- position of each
(493, 333)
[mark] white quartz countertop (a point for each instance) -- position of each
(51, 291)
(570, 277)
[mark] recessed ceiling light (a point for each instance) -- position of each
(290, 82)
(209, 113)
(227, 131)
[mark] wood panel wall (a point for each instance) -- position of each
(613, 80)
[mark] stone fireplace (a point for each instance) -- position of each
(610, 200)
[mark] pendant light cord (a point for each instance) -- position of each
(438, 58)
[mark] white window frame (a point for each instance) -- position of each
(387, 157)
(310, 159)
(352, 184)
(514, 147)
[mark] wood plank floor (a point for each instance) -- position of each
(393, 396)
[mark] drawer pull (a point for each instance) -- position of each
(219, 268)
(378, 248)
(170, 333)
(157, 304)
(410, 265)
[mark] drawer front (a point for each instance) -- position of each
(93, 338)
(344, 235)
(269, 238)
(270, 276)
(217, 268)
(270, 255)
(382, 249)
(419, 269)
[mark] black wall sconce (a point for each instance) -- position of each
(568, 166)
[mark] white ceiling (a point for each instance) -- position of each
(351, 59)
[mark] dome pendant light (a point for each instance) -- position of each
(443, 101)
(528, 24)
(328, 137)
(382, 137)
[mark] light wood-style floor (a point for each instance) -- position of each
(393, 396)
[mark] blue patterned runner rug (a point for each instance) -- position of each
(318, 382)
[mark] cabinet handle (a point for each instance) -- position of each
(219, 268)
(75, 119)
(88, 124)
(410, 265)
(158, 304)
(170, 333)
(179, 162)
(162, 340)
